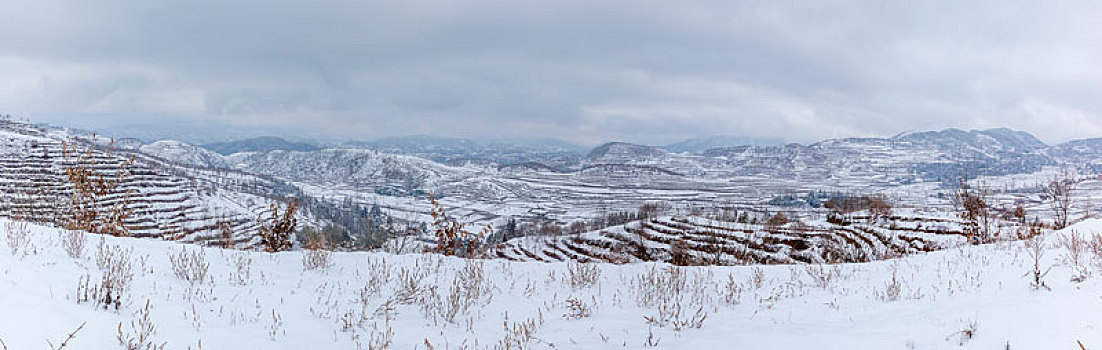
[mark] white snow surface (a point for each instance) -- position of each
(279, 305)
(185, 153)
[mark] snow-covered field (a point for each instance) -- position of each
(972, 297)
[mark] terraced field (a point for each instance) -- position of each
(697, 240)
(166, 199)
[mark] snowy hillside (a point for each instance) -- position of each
(973, 297)
(704, 241)
(364, 169)
(258, 144)
(912, 168)
(185, 153)
(459, 151)
(173, 192)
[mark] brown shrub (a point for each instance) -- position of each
(275, 233)
(88, 207)
(776, 220)
(452, 237)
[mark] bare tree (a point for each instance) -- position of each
(973, 208)
(879, 207)
(1059, 191)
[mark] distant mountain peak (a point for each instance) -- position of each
(185, 153)
(617, 149)
(1005, 138)
(700, 144)
(259, 144)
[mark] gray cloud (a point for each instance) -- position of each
(644, 71)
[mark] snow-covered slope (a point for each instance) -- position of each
(1086, 153)
(459, 151)
(363, 169)
(700, 144)
(912, 168)
(905, 158)
(702, 241)
(259, 144)
(166, 199)
(185, 153)
(973, 297)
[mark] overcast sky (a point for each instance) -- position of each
(583, 71)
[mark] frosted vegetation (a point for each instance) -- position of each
(144, 294)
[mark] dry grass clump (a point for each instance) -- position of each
(19, 238)
(577, 309)
(732, 291)
(1094, 247)
(381, 339)
(142, 330)
(1076, 247)
(518, 334)
(117, 272)
(190, 266)
(73, 242)
(318, 251)
(469, 288)
(275, 328)
(581, 275)
(409, 286)
(656, 285)
(667, 292)
(675, 317)
(241, 274)
(377, 278)
(892, 291)
(822, 276)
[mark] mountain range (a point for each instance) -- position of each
(547, 179)
(423, 161)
